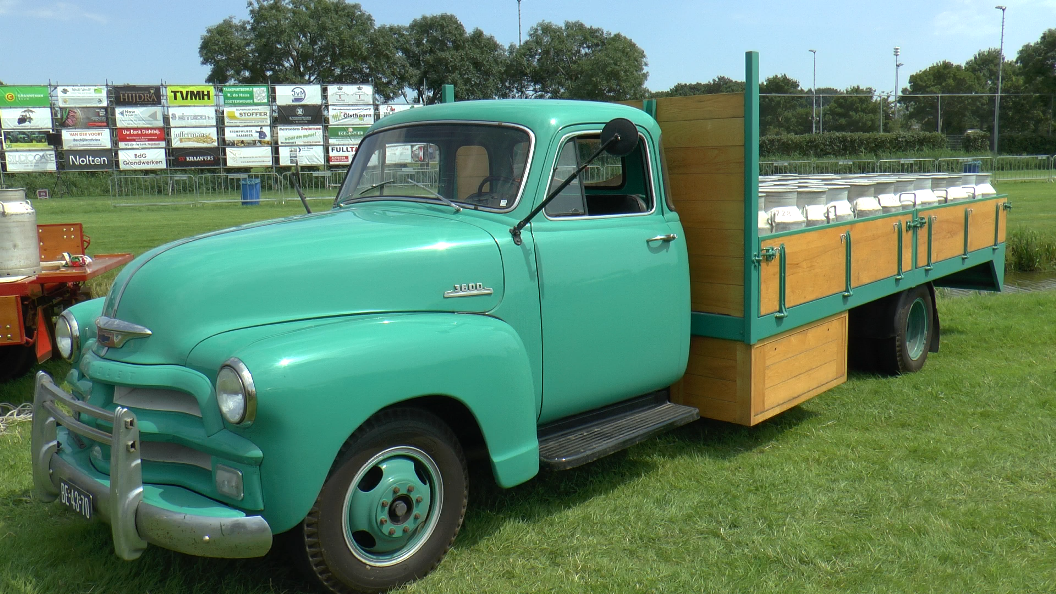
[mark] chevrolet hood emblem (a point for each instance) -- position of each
(113, 333)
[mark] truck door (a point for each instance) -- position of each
(613, 282)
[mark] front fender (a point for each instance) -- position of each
(315, 385)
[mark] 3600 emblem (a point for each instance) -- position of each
(468, 290)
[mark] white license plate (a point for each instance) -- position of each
(76, 498)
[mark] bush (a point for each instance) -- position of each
(1027, 251)
(850, 144)
(1011, 143)
(73, 184)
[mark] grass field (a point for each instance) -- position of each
(941, 481)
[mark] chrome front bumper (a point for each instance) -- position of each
(120, 498)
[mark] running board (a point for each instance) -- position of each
(586, 437)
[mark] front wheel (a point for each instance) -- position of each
(907, 351)
(390, 508)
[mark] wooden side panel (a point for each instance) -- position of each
(981, 225)
(704, 148)
(815, 267)
(793, 367)
(635, 103)
(874, 253)
(56, 239)
(714, 379)
(947, 235)
(700, 107)
(11, 329)
(731, 381)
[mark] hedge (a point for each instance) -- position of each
(850, 144)
(1011, 143)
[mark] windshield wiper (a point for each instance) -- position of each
(445, 200)
(375, 186)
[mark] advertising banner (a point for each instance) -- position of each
(299, 115)
(25, 140)
(300, 155)
(247, 136)
(342, 154)
(249, 156)
(139, 117)
(247, 116)
(25, 118)
(385, 110)
(81, 96)
(245, 95)
(129, 138)
(190, 94)
(81, 117)
(86, 139)
(192, 137)
(300, 135)
(346, 134)
(137, 95)
(298, 95)
(89, 160)
(181, 117)
(350, 94)
(350, 115)
(197, 157)
(24, 96)
(141, 159)
(24, 161)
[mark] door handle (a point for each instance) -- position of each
(668, 237)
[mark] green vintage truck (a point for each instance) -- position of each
(546, 283)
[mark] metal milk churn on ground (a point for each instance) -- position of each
(19, 243)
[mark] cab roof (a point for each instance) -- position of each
(544, 117)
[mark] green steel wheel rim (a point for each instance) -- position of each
(392, 506)
(917, 329)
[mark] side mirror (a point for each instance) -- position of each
(619, 137)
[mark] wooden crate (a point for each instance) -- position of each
(746, 384)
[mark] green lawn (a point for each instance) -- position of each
(941, 481)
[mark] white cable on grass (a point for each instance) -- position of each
(11, 414)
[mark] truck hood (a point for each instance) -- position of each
(366, 259)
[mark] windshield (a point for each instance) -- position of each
(475, 165)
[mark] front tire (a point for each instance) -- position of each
(391, 507)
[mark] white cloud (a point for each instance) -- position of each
(55, 11)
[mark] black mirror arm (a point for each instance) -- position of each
(515, 231)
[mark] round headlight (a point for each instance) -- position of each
(67, 335)
(235, 393)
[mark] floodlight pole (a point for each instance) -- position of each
(898, 64)
(814, 111)
(1000, 67)
(519, 23)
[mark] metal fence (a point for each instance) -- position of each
(1003, 168)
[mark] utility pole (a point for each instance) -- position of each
(898, 65)
(519, 23)
(814, 111)
(1000, 67)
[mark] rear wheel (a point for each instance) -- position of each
(390, 508)
(907, 350)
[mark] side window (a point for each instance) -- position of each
(609, 186)
(570, 202)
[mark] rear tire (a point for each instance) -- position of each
(907, 350)
(391, 507)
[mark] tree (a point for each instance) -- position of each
(575, 61)
(782, 112)
(438, 51)
(1020, 112)
(1038, 63)
(302, 41)
(719, 84)
(957, 113)
(857, 109)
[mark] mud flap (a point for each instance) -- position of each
(42, 341)
(933, 347)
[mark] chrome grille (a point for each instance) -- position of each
(157, 399)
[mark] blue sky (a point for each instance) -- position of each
(82, 41)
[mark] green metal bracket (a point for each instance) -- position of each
(781, 310)
(997, 224)
(931, 225)
(967, 218)
(1007, 206)
(915, 223)
(768, 254)
(649, 107)
(898, 229)
(447, 94)
(845, 239)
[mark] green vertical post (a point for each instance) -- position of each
(649, 107)
(447, 94)
(752, 274)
